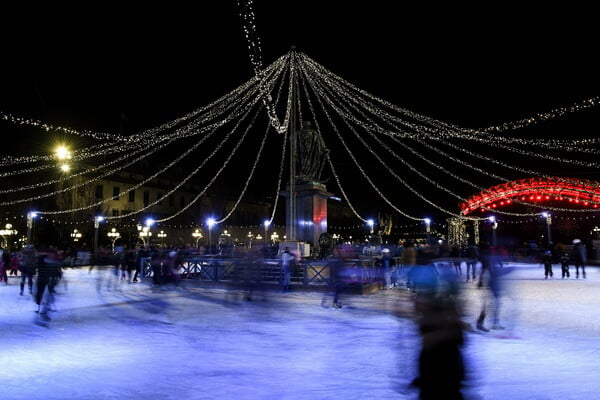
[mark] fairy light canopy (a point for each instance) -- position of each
(379, 156)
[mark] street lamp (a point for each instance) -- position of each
(144, 233)
(63, 155)
(267, 223)
(97, 221)
(548, 217)
(371, 224)
(250, 237)
(427, 227)
(210, 222)
(274, 237)
(30, 216)
(7, 231)
(162, 235)
(76, 235)
(113, 235)
(197, 235)
(492, 219)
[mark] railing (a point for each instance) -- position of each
(232, 270)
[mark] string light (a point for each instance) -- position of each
(342, 114)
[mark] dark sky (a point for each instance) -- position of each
(471, 65)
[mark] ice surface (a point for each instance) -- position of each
(109, 339)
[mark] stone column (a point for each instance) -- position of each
(311, 211)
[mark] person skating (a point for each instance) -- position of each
(564, 265)
(28, 266)
(547, 259)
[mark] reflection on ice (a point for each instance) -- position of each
(130, 341)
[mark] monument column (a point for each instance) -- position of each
(311, 211)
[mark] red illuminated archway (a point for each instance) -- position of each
(568, 192)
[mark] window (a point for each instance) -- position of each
(159, 196)
(146, 198)
(99, 192)
(115, 212)
(131, 196)
(116, 192)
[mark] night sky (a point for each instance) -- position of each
(122, 69)
(473, 66)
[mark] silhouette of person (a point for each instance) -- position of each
(579, 254)
(547, 259)
(490, 282)
(28, 266)
(441, 365)
(564, 265)
(287, 261)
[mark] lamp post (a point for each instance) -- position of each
(548, 217)
(6, 233)
(266, 224)
(197, 235)
(113, 235)
(210, 222)
(427, 228)
(492, 219)
(76, 235)
(30, 217)
(275, 237)
(97, 221)
(144, 233)
(162, 235)
(371, 224)
(250, 237)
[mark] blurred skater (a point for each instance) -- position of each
(386, 266)
(564, 265)
(4, 265)
(343, 271)
(441, 366)
(490, 283)
(287, 263)
(48, 275)
(28, 266)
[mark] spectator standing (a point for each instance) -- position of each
(547, 259)
(564, 265)
(579, 254)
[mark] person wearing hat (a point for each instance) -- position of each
(579, 254)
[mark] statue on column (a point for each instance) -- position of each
(312, 154)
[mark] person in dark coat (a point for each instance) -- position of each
(579, 254)
(441, 365)
(564, 265)
(28, 266)
(547, 260)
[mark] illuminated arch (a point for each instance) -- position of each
(572, 193)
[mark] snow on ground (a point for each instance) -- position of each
(113, 340)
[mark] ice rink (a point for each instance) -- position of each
(108, 339)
